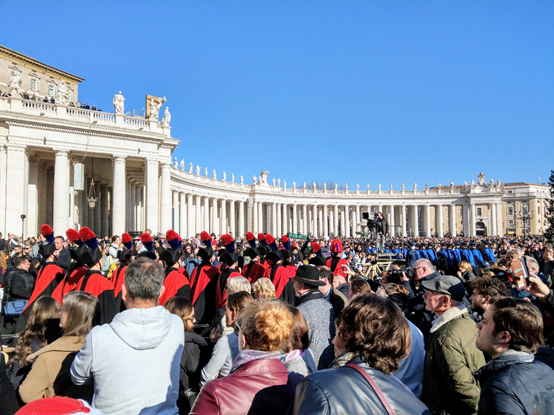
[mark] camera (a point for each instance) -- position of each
(372, 220)
(409, 272)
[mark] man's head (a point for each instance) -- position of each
(59, 242)
(143, 283)
(306, 279)
(21, 262)
(443, 293)
(484, 289)
(325, 275)
(422, 268)
(510, 323)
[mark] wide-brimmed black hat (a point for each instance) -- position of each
(284, 254)
(309, 275)
(47, 249)
(226, 258)
(90, 256)
(205, 254)
(124, 254)
(249, 252)
(170, 256)
(76, 253)
(316, 260)
(261, 250)
(146, 254)
(273, 257)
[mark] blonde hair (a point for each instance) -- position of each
(466, 265)
(83, 313)
(265, 287)
(238, 284)
(266, 325)
(3, 262)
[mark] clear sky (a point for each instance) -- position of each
(353, 91)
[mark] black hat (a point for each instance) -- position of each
(76, 253)
(308, 275)
(316, 260)
(124, 254)
(205, 254)
(273, 257)
(226, 258)
(249, 252)
(261, 250)
(170, 256)
(90, 256)
(146, 254)
(284, 254)
(47, 249)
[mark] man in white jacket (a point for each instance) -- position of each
(134, 360)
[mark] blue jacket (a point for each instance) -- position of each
(509, 382)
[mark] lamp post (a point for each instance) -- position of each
(525, 216)
(22, 227)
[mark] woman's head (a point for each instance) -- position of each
(44, 309)
(465, 266)
(80, 312)
(183, 308)
(299, 338)
(235, 303)
(375, 329)
(238, 284)
(263, 288)
(358, 286)
(265, 325)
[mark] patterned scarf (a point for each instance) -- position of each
(342, 359)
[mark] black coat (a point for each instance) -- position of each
(8, 398)
(508, 384)
(21, 284)
(196, 354)
(344, 391)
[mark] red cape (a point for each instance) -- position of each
(253, 271)
(48, 279)
(96, 284)
(200, 277)
(221, 292)
(338, 270)
(69, 283)
(176, 284)
(280, 279)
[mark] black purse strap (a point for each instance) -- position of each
(375, 388)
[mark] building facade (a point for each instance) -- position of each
(70, 167)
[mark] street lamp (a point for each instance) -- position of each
(525, 216)
(22, 227)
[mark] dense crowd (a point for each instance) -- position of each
(159, 324)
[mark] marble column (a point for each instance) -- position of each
(223, 229)
(118, 196)
(183, 215)
(198, 213)
(326, 221)
(98, 213)
(452, 219)
(392, 221)
(3, 187)
(255, 218)
(274, 220)
(472, 219)
(346, 221)
(403, 231)
(492, 221)
(356, 227)
(336, 222)
(279, 221)
(304, 219)
(295, 219)
(427, 213)
(261, 228)
(133, 211)
(320, 220)
(61, 189)
(191, 222)
(206, 215)
(465, 216)
(176, 217)
(415, 221)
(314, 221)
(241, 231)
(232, 218)
(104, 208)
(151, 198)
(213, 216)
(31, 222)
(165, 209)
(438, 221)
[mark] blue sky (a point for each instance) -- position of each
(345, 91)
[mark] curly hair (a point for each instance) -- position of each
(375, 329)
(43, 309)
(265, 287)
(266, 325)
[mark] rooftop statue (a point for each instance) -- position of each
(190, 167)
(182, 165)
(63, 93)
(167, 117)
(263, 177)
(118, 103)
(481, 179)
(14, 84)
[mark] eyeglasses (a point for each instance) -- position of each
(237, 325)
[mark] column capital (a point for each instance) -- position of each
(119, 159)
(57, 151)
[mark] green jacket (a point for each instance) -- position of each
(449, 386)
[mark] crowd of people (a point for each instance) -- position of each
(160, 324)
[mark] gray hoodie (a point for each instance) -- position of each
(133, 362)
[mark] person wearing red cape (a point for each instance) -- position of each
(335, 263)
(280, 277)
(203, 283)
(94, 282)
(176, 283)
(253, 270)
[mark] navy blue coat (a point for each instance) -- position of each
(509, 382)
